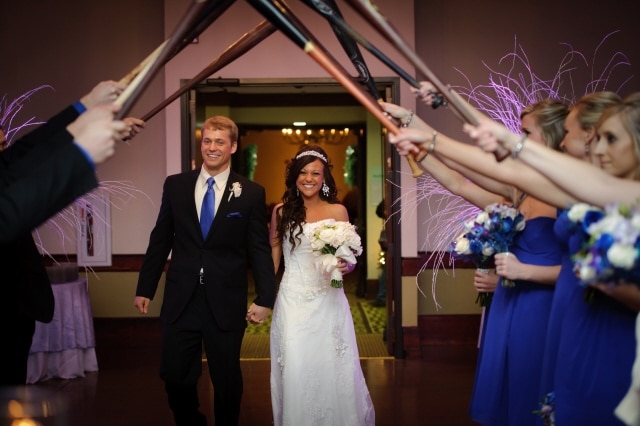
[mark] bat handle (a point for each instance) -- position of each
(416, 171)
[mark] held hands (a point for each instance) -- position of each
(104, 92)
(257, 314)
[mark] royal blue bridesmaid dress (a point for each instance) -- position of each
(507, 383)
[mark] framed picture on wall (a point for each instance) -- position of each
(94, 230)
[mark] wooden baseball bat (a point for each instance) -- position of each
(378, 21)
(198, 12)
(280, 15)
(326, 9)
(233, 52)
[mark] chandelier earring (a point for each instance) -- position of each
(297, 192)
(587, 148)
(325, 189)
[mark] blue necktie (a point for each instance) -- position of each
(206, 212)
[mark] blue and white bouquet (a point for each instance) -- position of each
(611, 252)
(334, 240)
(491, 232)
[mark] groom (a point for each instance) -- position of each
(205, 296)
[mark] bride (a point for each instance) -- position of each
(316, 378)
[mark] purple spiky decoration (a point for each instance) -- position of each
(512, 85)
(119, 192)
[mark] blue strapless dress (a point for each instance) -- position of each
(595, 353)
(567, 234)
(507, 383)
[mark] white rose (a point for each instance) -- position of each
(635, 221)
(462, 246)
(577, 212)
(586, 273)
(326, 235)
(622, 255)
(487, 250)
(482, 218)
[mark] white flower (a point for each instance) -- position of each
(483, 218)
(578, 211)
(331, 241)
(622, 255)
(235, 190)
(462, 246)
(488, 250)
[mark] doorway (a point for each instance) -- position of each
(263, 109)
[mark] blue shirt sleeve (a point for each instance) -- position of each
(79, 106)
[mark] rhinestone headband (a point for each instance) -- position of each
(312, 153)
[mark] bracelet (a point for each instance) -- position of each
(407, 120)
(519, 146)
(432, 145)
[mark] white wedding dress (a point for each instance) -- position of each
(316, 378)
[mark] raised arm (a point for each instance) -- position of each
(468, 160)
(458, 184)
(578, 178)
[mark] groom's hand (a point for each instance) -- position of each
(142, 303)
(257, 314)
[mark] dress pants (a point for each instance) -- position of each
(181, 364)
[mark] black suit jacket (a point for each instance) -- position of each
(238, 240)
(40, 174)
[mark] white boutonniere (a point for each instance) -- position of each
(235, 190)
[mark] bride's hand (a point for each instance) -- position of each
(344, 267)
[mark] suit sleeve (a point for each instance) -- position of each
(28, 200)
(260, 252)
(41, 138)
(160, 244)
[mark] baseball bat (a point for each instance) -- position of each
(384, 27)
(280, 15)
(233, 52)
(198, 12)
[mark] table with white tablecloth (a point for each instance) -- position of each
(65, 347)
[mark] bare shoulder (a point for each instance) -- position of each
(339, 212)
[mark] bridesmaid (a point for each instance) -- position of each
(596, 343)
(511, 352)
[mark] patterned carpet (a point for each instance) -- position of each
(368, 321)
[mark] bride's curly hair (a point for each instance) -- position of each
(292, 213)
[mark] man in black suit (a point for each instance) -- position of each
(206, 289)
(40, 174)
(27, 298)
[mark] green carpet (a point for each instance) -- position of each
(368, 321)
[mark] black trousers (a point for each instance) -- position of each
(181, 364)
(18, 330)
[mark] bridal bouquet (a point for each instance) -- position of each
(491, 232)
(611, 251)
(331, 241)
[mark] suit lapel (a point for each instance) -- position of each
(223, 207)
(190, 205)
